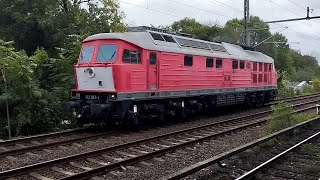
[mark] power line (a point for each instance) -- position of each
(173, 15)
(284, 7)
(301, 34)
(297, 4)
(225, 5)
(308, 45)
(177, 2)
(307, 36)
(150, 9)
(300, 6)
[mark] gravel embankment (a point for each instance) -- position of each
(245, 161)
(188, 156)
(80, 147)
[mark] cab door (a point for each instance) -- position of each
(153, 71)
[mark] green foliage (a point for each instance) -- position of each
(206, 31)
(302, 75)
(33, 109)
(301, 117)
(316, 84)
(281, 118)
(308, 149)
(283, 90)
(48, 23)
(38, 63)
(47, 37)
(311, 167)
(268, 144)
(291, 61)
(307, 90)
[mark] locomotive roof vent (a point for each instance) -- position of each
(146, 28)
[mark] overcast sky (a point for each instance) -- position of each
(306, 33)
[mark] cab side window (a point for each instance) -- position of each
(131, 56)
(209, 62)
(241, 64)
(219, 63)
(234, 64)
(188, 60)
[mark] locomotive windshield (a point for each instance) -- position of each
(86, 54)
(107, 53)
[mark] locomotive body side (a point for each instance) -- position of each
(132, 76)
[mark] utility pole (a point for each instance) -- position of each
(246, 37)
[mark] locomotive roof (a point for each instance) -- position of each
(159, 41)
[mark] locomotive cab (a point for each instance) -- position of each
(103, 70)
(94, 68)
(94, 79)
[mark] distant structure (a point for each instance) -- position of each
(299, 86)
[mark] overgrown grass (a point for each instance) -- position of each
(268, 144)
(311, 167)
(283, 117)
(308, 149)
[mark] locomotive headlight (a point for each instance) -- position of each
(112, 96)
(90, 72)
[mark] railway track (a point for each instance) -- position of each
(95, 162)
(280, 158)
(44, 141)
(301, 160)
(29, 144)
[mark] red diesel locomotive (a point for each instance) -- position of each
(148, 73)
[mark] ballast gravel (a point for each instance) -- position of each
(177, 160)
(103, 142)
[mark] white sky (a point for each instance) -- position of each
(306, 33)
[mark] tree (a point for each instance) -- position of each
(208, 31)
(286, 59)
(232, 31)
(47, 23)
(38, 66)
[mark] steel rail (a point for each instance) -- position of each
(99, 170)
(52, 144)
(25, 169)
(222, 156)
(294, 98)
(69, 141)
(102, 169)
(48, 135)
(37, 137)
(277, 157)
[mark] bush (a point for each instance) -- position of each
(301, 117)
(33, 108)
(316, 84)
(308, 90)
(283, 116)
